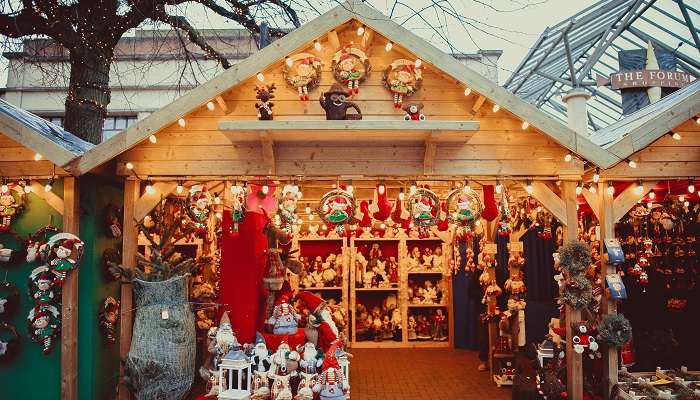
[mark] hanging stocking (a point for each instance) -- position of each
(490, 205)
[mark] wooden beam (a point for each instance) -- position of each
(50, 197)
(568, 194)
(145, 203)
(37, 142)
(555, 205)
(69, 297)
(129, 249)
(268, 152)
(607, 231)
(333, 40)
(367, 39)
(222, 104)
(628, 198)
(592, 199)
(430, 151)
(479, 102)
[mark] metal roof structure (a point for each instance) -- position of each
(568, 54)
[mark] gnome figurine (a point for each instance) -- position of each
(334, 103)
(284, 317)
(261, 355)
(331, 384)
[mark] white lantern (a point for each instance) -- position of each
(344, 363)
(233, 369)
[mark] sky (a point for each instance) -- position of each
(462, 25)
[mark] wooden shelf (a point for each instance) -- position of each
(349, 130)
(377, 289)
(377, 239)
(313, 289)
(430, 239)
(426, 305)
(431, 272)
(400, 345)
(320, 239)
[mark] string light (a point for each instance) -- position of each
(129, 166)
(466, 188)
(401, 195)
(676, 136)
(26, 186)
(308, 210)
(382, 226)
(153, 139)
(525, 125)
(149, 188)
(4, 188)
(579, 188)
(324, 227)
(528, 188)
(381, 188)
(181, 122)
(217, 199)
(467, 91)
(418, 63)
(691, 186)
(210, 106)
(317, 45)
(49, 186)
(499, 187)
(311, 217)
(568, 157)
(361, 30)
(681, 198)
(350, 188)
(631, 163)
(686, 204)
(388, 46)
(639, 190)
(596, 175)
(591, 188)
(179, 188)
(289, 61)
(496, 108)
(652, 195)
(413, 188)
(697, 121)
(265, 189)
(260, 76)
(611, 189)
(38, 157)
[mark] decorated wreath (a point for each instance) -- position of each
(615, 330)
(577, 292)
(337, 207)
(424, 206)
(62, 254)
(350, 67)
(44, 324)
(42, 286)
(8, 339)
(12, 198)
(302, 71)
(199, 205)
(575, 257)
(402, 78)
(464, 207)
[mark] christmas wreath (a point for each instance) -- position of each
(575, 257)
(615, 330)
(337, 207)
(576, 292)
(464, 207)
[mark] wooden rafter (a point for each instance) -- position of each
(51, 198)
(553, 203)
(430, 151)
(478, 103)
(222, 104)
(367, 38)
(593, 200)
(628, 198)
(69, 298)
(333, 40)
(146, 202)
(268, 152)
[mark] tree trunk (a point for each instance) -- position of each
(88, 92)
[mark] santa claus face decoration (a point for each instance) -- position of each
(464, 207)
(402, 78)
(337, 207)
(424, 207)
(302, 72)
(350, 67)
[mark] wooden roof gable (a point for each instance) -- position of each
(40, 136)
(300, 38)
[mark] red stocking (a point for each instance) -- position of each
(490, 205)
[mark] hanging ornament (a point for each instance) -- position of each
(425, 209)
(35, 244)
(108, 317)
(302, 71)
(239, 205)
(350, 67)
(44, 324)
(12, 198)
(199, 206)
(287, 207)
(402, 78)
(464, 207)
(337, 207)
(41, 286)
(63, 253)
(265, 94)
(504, 228)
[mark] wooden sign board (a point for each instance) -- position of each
(490, 248)
(646, 78)
(516, 246)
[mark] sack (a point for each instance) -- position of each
(161, 360)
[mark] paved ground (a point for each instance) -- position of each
(420, 374)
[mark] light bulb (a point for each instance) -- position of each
(499, 187)
(418, 63)
(478, 222)
(37, 157)
(210, 105)
(697, 121)
(307, 210)
(639, 190)
(596, 175)
(686, 203)
(401, 196)
(381, 189)
(219, 215)
(579, 189)
(150, 189)
(382, 226)
(632, 163)
(350, 189)
(260, 76)
(48, 187)
(217, 199)
(317, 45)
(525, 125)
(311, 217)
(27, 188)
(676, 136)
(153, 139)
(529, 189)
(611, 189)
(467, 188)
(181, 122)
(691, 186)
(568, 157)
(650, 204)
(300, 221)
(289, 61)
(265, 189)
(592, 189)
(467, 91)
(413, 189)
(389, 46)
(681, 198)
(652, 195)
(129, 166)
(4, 188)
(324, 227)
(361, 30)
(496, 108)
(299, 194)
(179, 189)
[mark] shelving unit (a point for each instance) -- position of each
(400, 248)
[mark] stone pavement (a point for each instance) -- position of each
(420, 374)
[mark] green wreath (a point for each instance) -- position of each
(576, 292)
(615, 330)
(575, 257)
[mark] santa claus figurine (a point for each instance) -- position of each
(311, 359)
(284, 319)
(331, 384)
(321, 330)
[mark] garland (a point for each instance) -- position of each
(575, 257)
(577, 292)
(615, 330)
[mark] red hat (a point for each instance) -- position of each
(68, 243)
(311, 301)
(41, 313)
(283, 298)
(330, 360)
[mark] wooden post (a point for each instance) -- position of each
(607, 230)
(132, 189)
(69, 297)
(574, 366)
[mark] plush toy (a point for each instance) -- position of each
(429, 293)
(9, 205)
(334, 102)
(413, 112)
(583, 338)
(265, 93)
(44, 325)
(350, 66)
(307, 381)
(302, 71)
(41, 286)
(393, 271)
(331, 384)
(281, 389)
(199, 207)
(108, 318)
(261, 355)
(64, 253)
(284, 361)
(284, 319)
(260, 386)
(311, 359)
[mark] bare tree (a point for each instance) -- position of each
(89, 31)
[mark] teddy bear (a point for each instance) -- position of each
(413, 112)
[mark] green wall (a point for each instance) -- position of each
(30, 374)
